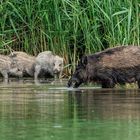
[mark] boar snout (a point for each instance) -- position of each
(56, 71)
(73, 82)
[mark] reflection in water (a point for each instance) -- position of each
(47, 112)
(107, 104)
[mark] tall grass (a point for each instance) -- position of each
(69, 28)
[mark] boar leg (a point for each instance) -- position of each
(108, 83)
(5, 75)
(139, 83)
(138, 80)
(37, 71)
(60, 75)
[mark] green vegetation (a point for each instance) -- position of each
(69, 28)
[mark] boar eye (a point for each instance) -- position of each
(60, 65)
(53, 64)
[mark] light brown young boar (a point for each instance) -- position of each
(9, 66)
(25, 62)
(48, 62)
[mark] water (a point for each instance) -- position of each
(50, 111)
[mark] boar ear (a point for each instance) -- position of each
(84, 60)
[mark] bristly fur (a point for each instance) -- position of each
(109, 67)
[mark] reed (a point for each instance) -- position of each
(69, 28)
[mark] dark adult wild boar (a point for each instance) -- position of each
(109, 67)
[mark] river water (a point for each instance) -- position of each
(50, 111)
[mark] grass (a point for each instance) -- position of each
(69, 28)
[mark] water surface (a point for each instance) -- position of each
(50, 111)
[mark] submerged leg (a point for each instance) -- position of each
(5, 75)
(108, 84)
(138, 80)
(139, 83)
(37, 71)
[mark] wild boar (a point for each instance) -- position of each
(118, 65)
(25, 62)
(49, 63)
(8, 67)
